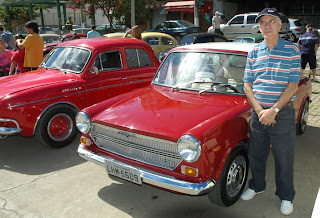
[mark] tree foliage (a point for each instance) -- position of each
(19, 16)
(119, 10)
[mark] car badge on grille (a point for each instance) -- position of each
(126, 134)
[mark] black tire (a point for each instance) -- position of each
(232, 179)
(56, 127)
(302, 123)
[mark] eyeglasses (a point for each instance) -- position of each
(270, 22)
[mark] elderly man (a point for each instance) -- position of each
(216, 21)
(271, 79)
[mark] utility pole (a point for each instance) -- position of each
(196, 13)
(133, 18)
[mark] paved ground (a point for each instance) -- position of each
(36, 181)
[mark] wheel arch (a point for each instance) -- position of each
(65, 103)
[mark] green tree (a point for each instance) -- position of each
(142, 15)
(19, 16)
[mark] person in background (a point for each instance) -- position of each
(125, 28)
(135, 32)
(271, 79)
(69, 24)
(93, 33)
(216, 21)
(308, 44)
(17, 60)
(8, 39)
(5, 59)
(33, 45)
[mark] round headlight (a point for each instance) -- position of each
(83, 122)
(189, 148)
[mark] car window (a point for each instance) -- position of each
(110, 60)
(137, 58)
(187, 23)
(298, 23)
(247, 40)
(67, 58)
(161, 25)
(152, 40)
(203, 71)
(173, 25)
(251, 19)
(186, 40)
(237, 20)
(166, 41)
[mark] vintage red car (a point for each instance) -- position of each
(188, 131)
(77, 74)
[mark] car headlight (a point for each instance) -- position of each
(83, 122)
(189, 148)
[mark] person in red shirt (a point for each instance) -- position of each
(17, 61)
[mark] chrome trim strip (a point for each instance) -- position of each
(151, 178)
(10, 131)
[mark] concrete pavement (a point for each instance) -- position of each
(36, 181)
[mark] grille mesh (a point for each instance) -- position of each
(142, 148)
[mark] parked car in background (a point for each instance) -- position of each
(187, 132)
(50, 38)
(105, 28)
(157, 41)
(196, 38)
(73, 27)
(250, 38)
(176, 28)
(82, 30)
(45, 29)
(62, 38)
(296, 30)
(75, 75)
(246, 24)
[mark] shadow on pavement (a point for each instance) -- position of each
(148, 201)
(27, 156)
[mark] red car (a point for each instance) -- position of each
(77, 74)
(188, 131)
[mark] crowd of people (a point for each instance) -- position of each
(19, 54)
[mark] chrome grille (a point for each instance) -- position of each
(142, 148)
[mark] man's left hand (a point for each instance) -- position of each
(267, 117)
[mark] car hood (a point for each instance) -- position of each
(158, 111)
(41, 77)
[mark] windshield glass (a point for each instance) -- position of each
(201, 71)
(67, 58)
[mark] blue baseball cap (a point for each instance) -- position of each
(268, 11)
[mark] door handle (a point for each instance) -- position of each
(124, 78)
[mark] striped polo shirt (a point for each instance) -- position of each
(271, 71)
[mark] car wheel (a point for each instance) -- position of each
(302, 123)
(177, 37)
(56, 128)
(291, 37)
(232, 179)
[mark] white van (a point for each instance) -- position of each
(246, 24)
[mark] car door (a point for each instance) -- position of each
(140, 67)
(234, 27)
(251, 26)
(107, 76)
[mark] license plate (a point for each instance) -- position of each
(128, 173)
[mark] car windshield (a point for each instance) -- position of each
(247, 40)
(202, 71)
(186, 40)
(69, 59)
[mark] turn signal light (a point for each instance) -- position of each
(189, 171)
(85, 141)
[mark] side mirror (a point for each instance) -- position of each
(94, 70)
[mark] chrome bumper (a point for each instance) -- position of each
(9, 131)
(154, 179)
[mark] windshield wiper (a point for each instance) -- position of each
(228, 85)
(55, 68)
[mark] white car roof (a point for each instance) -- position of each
(221, 46)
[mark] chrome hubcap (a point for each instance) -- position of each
(236, 176)
(304, 116)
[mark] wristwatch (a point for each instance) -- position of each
(275, 109)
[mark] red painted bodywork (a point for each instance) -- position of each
(25, 97)
(218, 121)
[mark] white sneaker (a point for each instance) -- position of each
(249, 194)
(315, 80)
(286, 207)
